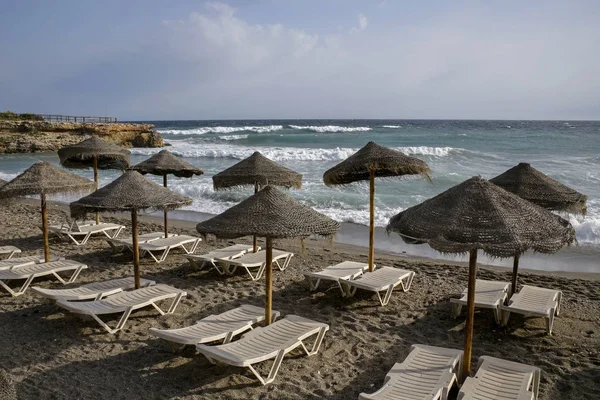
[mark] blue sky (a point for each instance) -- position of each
(159, 59)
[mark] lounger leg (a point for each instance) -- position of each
(71, 279)
(216, 266)
(274, 369)
(536, 383)
(456, 309)
(10, 255)
(558, 301)
(193, 248)
(550, 321)
(21, 290)
(317, 344)
(261, 270)
(173, 306)
(388, 296)
(498, 315)
(119, 326)
(406, 287)
(115, 234)
(312, 284)
(505, 316)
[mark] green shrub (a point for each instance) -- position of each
(11, 116)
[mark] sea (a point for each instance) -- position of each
(568, 151)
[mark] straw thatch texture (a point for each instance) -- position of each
(45, 178)
(530, 184)
(257, 169)
(269, 213)
(80, 155)
(131, 191)
(164, 163)
(7, 387)
(477, 214)
(384, 161)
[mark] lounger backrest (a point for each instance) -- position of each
(243, 313)
(140, 296)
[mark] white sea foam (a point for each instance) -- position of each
(331, 128)
(233, 137)
(391, 126)
(7, 177)
(209, 150)
(221, 129)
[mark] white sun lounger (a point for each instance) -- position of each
(163, 246)
(91, 291)
(211, 258)
(32, 271)
(120, 244)
(256, 260)
(10, 250)
(23, 261)
(427, 373)
(534, 301)
(488, 294)
(222, 326)
(384, 278)
(498, 379)
(344, 270)
(272, 341)
(125, 303)
(86, 231)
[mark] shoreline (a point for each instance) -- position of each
(350, 232)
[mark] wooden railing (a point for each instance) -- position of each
(70, 118)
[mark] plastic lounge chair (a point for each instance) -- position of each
(384, 278)
(211, 258)
(498, 379)
(535, 301)
(91, 291)
(427, 373)
(163, 246)
(125, 303)
(488, 294)
(344, 270)
(271, 342)
(23, 261)
(120, 244)
(215, 327)
(86, 231)
(10, 250)
(32, 271)
(256, 260)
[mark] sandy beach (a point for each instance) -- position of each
(53, 355)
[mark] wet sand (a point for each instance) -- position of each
(53, 355)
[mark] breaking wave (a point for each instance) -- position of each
(331, 128)
(221, 129)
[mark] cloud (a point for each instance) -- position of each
(214, 63)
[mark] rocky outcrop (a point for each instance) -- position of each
(38, 136)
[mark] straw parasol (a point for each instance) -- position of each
(96, 153)
(538, 188)
(370, 162)
(258, 171)
(7, 386)
(165, 163)
(130, 192)
(43, 178)
(477, 214)
(272, 214)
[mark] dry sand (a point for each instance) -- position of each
(52, 355)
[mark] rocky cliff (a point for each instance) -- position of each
(38, 136)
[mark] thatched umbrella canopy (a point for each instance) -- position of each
(130, 192)
(478, 215)
(272, 214)
(164, 163)
(95, 153)
(258, 171)
(43, 178)
(370, 162)
(7, 386)
(538, 188)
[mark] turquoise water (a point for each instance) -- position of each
(455, 150)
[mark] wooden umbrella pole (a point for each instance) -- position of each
(269, 278)
(513, 287)
(466, 367)
(165, 211)
(95, 164)
(371, 218)
(136, 249)
(254, 240)
(45, 229)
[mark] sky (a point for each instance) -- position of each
(280, 59)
